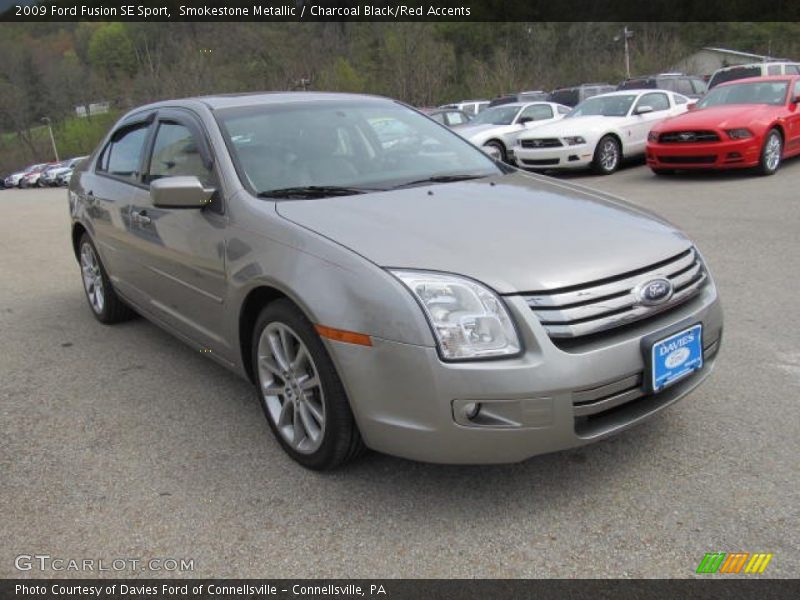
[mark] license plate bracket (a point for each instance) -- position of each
(672, 355)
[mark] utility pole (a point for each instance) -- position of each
(626, 35)
(46, 120)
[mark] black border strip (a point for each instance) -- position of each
(407, 10)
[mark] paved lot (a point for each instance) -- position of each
(122, 442)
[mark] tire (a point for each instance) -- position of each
(607, 155)
(106, 306)
(500, 147)
(658, 171)
(296, 408)
(771, 153)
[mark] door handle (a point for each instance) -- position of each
(141, 217)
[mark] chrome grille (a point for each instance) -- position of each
(688, 137)
(602, 305)
(541, 143)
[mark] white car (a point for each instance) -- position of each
(15, 179)
(599, 132)
(496, 129)
(471, 107)
(51, 175)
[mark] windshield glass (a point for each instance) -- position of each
(754, 92)
(359, 145)
(497, 115)
(605, 106)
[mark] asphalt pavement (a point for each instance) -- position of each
(122, 443)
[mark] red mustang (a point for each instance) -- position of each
(746, 123)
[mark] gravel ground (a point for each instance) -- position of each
(120, 442)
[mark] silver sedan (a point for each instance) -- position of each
(384, 284)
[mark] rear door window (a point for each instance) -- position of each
(122, 156)
(733, 74)
(455, 118)
(684, 86)
(656, 100)
(537, 112)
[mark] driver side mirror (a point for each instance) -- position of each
(691, 105)
(179, 192)
(525, 120)
(644, 109)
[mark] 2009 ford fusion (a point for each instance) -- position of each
(385, 284)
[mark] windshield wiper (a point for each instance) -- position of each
(315, 191)
(440, 179)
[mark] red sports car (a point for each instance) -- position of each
(745, 123)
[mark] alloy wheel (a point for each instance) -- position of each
(291, 388)
(772, 152)
(92, 278)
(609, 155)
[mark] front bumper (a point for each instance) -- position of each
(406, 401)
(561, 157)
(730, 154)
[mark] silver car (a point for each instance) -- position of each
(402, 292)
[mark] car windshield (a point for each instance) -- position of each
(605, 106)
(753, 92)
(316, 146)
(497, 115)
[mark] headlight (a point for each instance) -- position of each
(739, 134)
(575, 140)
(652, 136)
(469, 321)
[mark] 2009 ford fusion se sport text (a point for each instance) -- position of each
(387, 285)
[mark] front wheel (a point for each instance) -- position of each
(607, 156)
(496, 150)
(301, 394)
(771, 153)
(105, 304)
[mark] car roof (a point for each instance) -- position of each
(629, 92)
(759, 64)
(757, 79)
(220, 101)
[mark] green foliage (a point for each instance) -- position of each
(342, 77)
(49, 68)
(80, 135)
(111, 51)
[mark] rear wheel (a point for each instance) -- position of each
(771, 153)
(607, 155)
(300, 392)
(105, 304)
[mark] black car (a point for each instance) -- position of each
(574, 95)
(687, 85)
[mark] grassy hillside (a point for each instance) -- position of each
(74, 137)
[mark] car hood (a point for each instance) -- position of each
(732, 115)
(515, 233)
(474, 131)
(574, 126)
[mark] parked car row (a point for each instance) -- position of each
(741, 123)
(44, 174)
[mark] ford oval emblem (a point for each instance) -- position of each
(655, 291)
